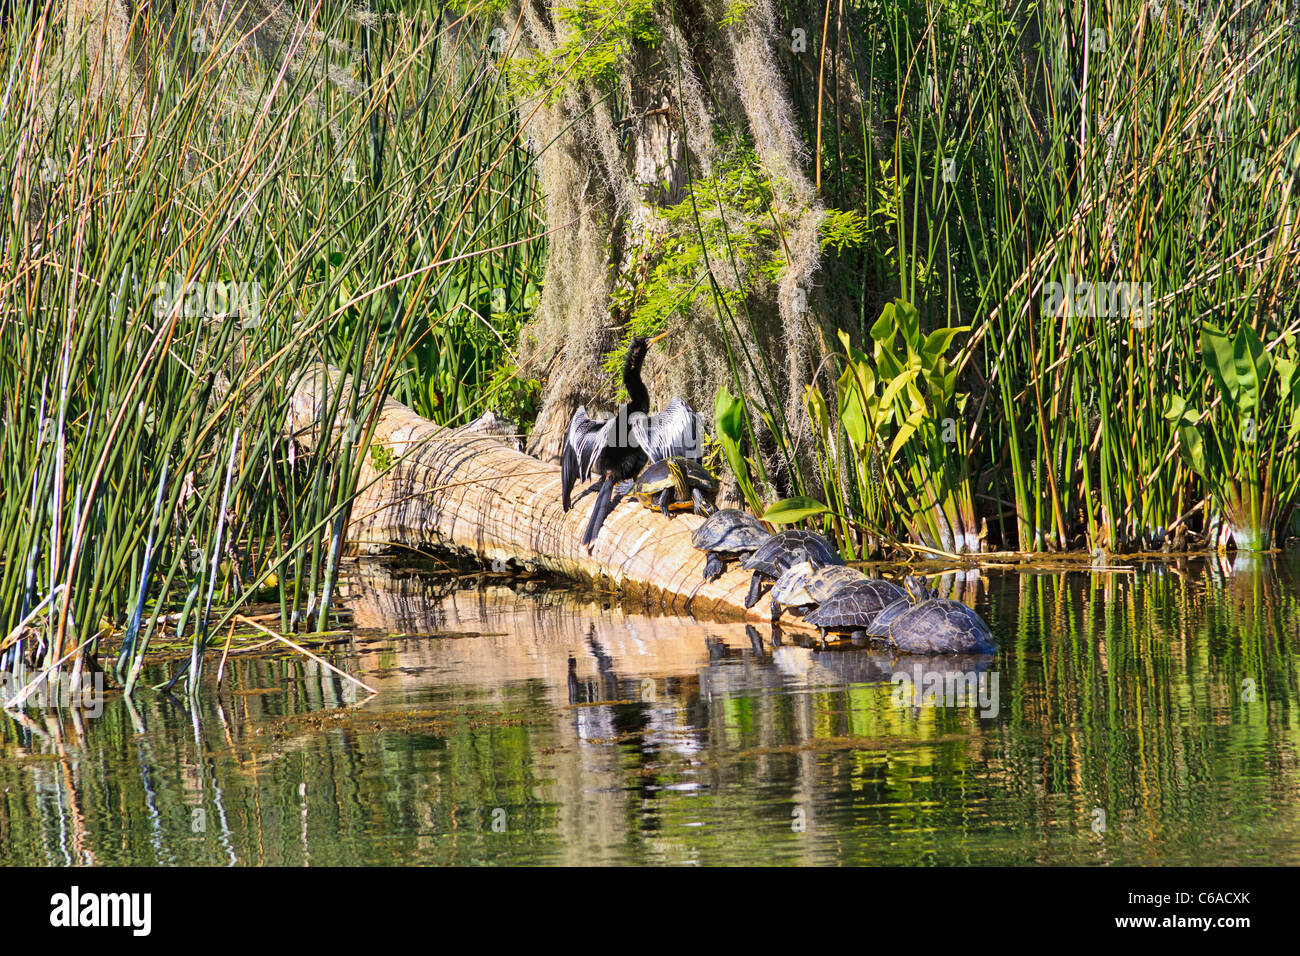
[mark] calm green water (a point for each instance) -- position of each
(1147, 716)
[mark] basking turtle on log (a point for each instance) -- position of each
(783, 550)
(728, 533)
(924, 623)
(803, 586)
(853, 609)
(677, 484)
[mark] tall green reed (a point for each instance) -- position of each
(188, 235)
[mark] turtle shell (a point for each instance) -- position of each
(787, 548)
(731, 531)
(854, 607)
(802, 584)
(659, 476)
(654, 479)
(936, 626)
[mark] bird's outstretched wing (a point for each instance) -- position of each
(676, 431)
(582, 446)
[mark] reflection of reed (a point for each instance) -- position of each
(1142, 678)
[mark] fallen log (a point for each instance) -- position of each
(471, 492)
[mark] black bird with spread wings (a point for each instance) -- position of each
(616, 449)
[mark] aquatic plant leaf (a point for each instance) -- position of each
(1193, 449)
(861, 367)
(1217, 351)
(818, 411)
(1251, 365)
(906, 431)
(885, 328)
(852, 414)
(908, 321)
(937, 342)
(1286, 378)
(794, 509)
(728, 414)
(1175, 407)
(887, 399)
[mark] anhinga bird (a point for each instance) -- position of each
(616, 449)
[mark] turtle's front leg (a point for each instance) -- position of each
(755, 590)
(666, 499)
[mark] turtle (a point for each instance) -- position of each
(853, 608)
(782, 550)
(924, 623)
(804, 586)
(677, 484)
(727, 533)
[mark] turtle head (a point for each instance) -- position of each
(677, 472)
(916, 588)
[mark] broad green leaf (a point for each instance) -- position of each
(1286, 378)
(937, 342)
(887, 399)
(1193, 449)
(865, 378)
(908, 320)
(1217, 351)
(1251, 365)
(884, 329)
(728, 414)
(888, 365)
(906, 431)
(852, 415)
(818, 411)
(793, 509)
(1175, 405)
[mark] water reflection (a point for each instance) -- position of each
(1145, 714)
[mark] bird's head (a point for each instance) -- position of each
(637, 349)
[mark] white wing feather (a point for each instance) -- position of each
(676, 431)
(587, 436)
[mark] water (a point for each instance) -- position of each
(1143, 716)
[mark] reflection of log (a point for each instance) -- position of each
(472, 492)
(514, 637)
(595, 674)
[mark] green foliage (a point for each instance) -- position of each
(1239, 448)
(791, 510)
(908, 458)
(144, 417)
(844, 229)
(726, 226)
(595, 52)
(730, 421)
(980, 186)
(721, 225)
(381, 458)
(735, 13)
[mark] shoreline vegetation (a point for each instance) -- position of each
(949, 280)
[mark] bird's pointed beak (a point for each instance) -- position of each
(661, 335)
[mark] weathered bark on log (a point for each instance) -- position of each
(466, 491)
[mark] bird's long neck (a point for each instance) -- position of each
(638, 398)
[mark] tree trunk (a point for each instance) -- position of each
(612, 156)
